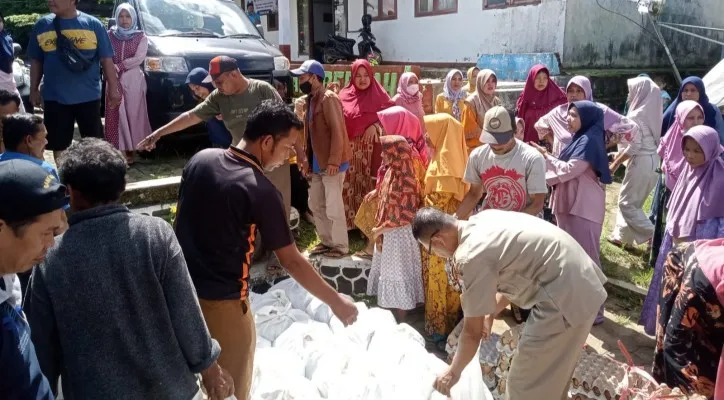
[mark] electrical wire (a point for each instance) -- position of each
(650, 36)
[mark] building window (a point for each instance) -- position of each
(272, 22)
(424, 8)
(488, 4)
(385, 9)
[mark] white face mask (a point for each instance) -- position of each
(413, 89)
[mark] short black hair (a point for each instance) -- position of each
(271, 117)
(16, 127)
(429, 220)
(18, 227)
(7, 97)
(96, 169)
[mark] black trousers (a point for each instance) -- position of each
(300, 191)
(60, 120)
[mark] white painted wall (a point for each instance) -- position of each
(462, 37)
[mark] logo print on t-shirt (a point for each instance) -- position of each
(504, 191)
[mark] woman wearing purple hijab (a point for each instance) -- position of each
(696, 211)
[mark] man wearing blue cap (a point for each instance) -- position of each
(31, 209)
(327, 147)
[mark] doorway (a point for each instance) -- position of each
(317, 19)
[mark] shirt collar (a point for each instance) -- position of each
(243, 156)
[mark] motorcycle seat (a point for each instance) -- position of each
(342, 39)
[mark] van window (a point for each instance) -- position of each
(214, 17)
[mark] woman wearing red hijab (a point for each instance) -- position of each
(540, 95)
(361, 99)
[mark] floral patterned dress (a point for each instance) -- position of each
(690, 327)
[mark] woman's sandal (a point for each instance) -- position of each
(318, 249)
(334, 253)
(363, 254)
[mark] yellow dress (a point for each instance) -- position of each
(444, 106)
(471, 128)
(442, 301)
(444, 189)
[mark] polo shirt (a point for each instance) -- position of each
(225, 201)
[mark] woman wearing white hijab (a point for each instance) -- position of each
(452, 99)
(128, 124)
(645, 109)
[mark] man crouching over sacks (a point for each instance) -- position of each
(532, 263)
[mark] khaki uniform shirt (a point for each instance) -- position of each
(533, 263)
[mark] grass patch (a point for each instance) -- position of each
(619, 263)
(307, 238)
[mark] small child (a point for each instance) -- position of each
(396, 274)
(218, 134)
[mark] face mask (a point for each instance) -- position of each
(413, 89)
(306, 87)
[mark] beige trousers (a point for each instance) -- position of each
(632, 224)
(231, 323)
(543, 364)
(325, 201)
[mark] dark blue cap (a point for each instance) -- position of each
(309, 67)
(197, 76)
(27, 190)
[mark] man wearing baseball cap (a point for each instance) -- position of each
(504, 174)
(31, 209)
(327, 146)
(234, 98)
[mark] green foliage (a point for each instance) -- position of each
(21, 25)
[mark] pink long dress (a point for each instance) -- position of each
(128, 124)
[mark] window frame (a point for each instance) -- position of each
(509, 3)
(435, 9)
(379, 10)
(269, 28)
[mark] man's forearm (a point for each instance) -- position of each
(467, 350)
(467, 205)
(36, 74)
(179, 123)
(109, 71)
(536, 206)
(500, 303)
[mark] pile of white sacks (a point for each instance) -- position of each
(304, 352)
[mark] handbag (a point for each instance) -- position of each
(71, 57)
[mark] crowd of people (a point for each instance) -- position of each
(465, 211)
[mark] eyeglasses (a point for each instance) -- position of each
(429, 246)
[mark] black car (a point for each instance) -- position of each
(186, 34)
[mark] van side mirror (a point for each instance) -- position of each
(111, 23)
(260, 29)
(17, 49)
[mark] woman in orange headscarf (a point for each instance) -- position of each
(361, 99)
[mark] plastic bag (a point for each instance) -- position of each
(272, 367)
(319, 311)
(273, 319)
(470, 386)
(325, 366)
(262, 343)
(271, 298)
(337, 326)
(360, 333)
(297, 295)
(302, 337)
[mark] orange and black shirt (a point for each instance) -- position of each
(225, 202)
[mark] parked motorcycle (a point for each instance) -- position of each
(341, 48)
(21, 73)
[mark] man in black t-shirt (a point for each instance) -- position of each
(225, 200)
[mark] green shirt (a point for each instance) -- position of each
(236, 108)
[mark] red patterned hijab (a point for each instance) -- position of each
(399, 192)
(361, 106)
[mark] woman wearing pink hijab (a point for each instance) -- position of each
(409, 96)
(540, 95)
(645, 109)
(695, 208)
(688, 114)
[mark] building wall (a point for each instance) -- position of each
(595, 38)
(464, 36)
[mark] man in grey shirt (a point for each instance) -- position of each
(112, 309)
